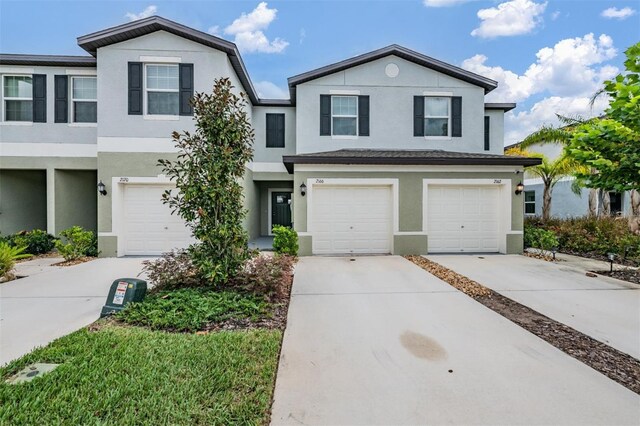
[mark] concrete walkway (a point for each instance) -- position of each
(603, 308)
(29, 268)
(40, 308)
(380, 341)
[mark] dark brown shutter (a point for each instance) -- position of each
(186, 88)
(61, 98)
(135, 88)
(275, 130)
(487, 134)
(456, 116)
(39, 98)
(325, 115)
(363, 115)
(418, 116)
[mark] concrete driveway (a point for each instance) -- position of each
(380, 341)
(603, 308)
(42, 307)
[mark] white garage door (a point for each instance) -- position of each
(351, 219)
(149, 226)
(463, 218)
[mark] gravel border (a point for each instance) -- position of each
(616, 365)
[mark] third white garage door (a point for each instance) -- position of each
(463, 218)
(149, 226)
(351, 219)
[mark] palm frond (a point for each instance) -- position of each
(546, 135)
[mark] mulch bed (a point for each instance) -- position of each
(75, 261)
(619, 259)
(630, 275)
(614, 364)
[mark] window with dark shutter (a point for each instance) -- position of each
(135, 88)
(456, 116)
(418, 116)
(487, 134)
(275, 130)
(186, 88)
(325, 115)
(61, 96)
(363, 115)
(39, 98)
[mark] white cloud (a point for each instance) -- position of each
(148, 11)
(268, 90)
(248, 31)
(615, 13)
(214, 30)
(555, 15)
(518, 125)
(443, 3)
(511, 88)
(510, 18)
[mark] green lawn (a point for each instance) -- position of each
(130, 375)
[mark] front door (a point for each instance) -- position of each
(281, 209)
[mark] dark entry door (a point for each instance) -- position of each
(280, 208)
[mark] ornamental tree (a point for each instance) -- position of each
(207, 174)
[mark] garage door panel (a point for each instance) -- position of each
(351, 219)
(463, 218)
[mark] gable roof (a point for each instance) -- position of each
(405, 157)
(402, 52)
(91, 43)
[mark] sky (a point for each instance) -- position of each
(547, 56)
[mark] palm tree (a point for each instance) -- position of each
(550, 171)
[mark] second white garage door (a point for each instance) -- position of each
(149, 226)
(351, 220)
(463, 218)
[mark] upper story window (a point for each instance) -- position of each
(344, 115)
(530, 202)
(437, 116)
(84, 99)
(18, 98)
(162, 89)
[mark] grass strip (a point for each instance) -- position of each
(130, 375)
(614, 364)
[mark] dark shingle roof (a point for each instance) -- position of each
(501, 106)
(405, 157)
(47, 60)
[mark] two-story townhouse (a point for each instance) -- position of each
(387, 152)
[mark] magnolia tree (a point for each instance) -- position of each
(207, 174)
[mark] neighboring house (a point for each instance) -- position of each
(387, 152)
(564, 202)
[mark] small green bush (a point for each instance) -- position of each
(77, 243)
(190, 309)
(172, 270)
(36, 241)
(285, 240)
(540, 238)
(8, 257)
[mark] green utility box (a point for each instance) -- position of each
(123, 291)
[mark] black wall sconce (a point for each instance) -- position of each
(303, 189)
(102, 189)
(519, 188)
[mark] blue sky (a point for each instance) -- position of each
(547, 56)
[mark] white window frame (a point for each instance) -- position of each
(448, 117)
(72, 121)
(145, 97)
(4, 98)
(530, 202)
(345, 116)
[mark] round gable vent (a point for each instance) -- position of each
(391, 70)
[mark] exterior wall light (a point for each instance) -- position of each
(303, 189)
(519, 188)
(102, 189)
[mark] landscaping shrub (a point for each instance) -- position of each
(36, 241)
(540, 238)
(285, 240)
(77, 243)
(591, 236)
(8, 256)
(190, 309)
(267, 276)
(172, 270)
